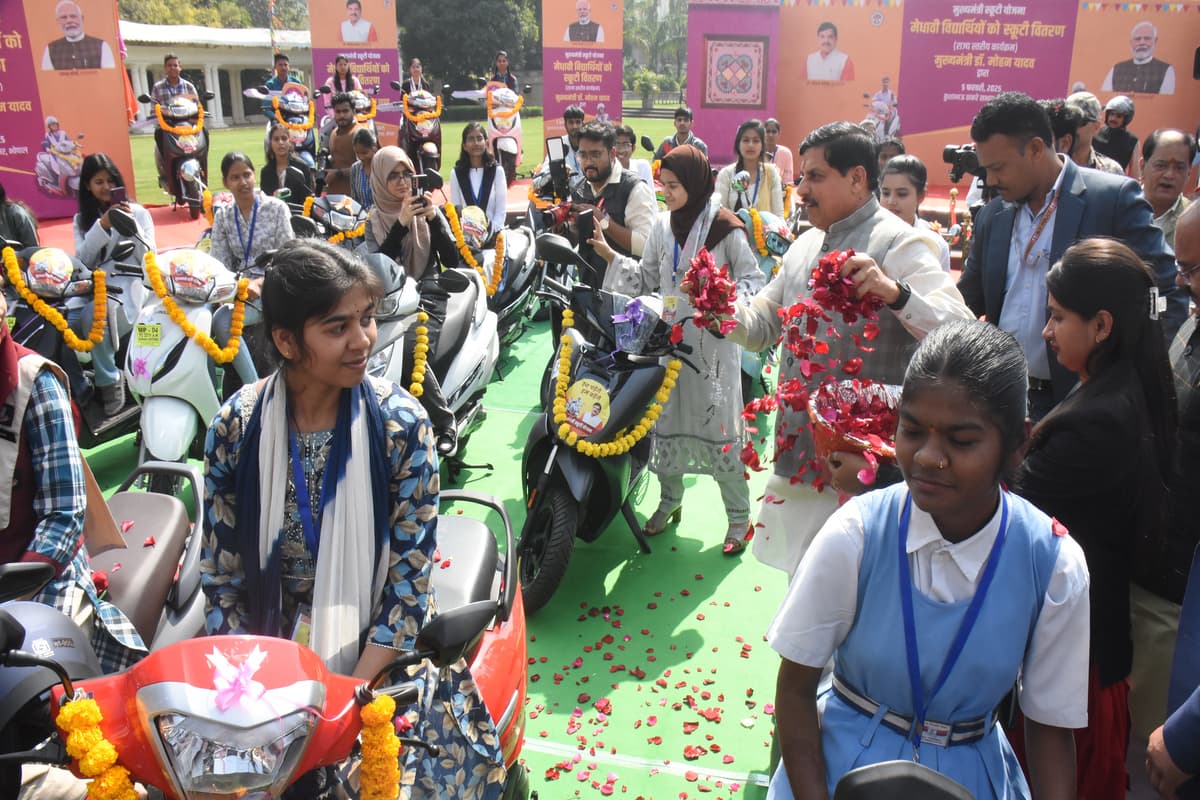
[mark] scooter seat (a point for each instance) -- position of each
(467, 572)
(141, 575)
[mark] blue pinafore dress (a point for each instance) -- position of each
(872, 659)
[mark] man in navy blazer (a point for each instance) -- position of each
(1046, 204)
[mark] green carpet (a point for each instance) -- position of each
(649, 675)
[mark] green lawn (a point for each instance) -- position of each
(250, 140)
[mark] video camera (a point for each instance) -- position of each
(963, 160)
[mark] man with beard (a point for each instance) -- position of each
(584, 29)
(622, 204)
(341, 145)
(75, 49)
(1166, 158)
(1143, 72)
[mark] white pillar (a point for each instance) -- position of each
(235, 96)
(137, 74)
(212, 80)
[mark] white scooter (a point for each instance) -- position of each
(172, 376)
(467, 348)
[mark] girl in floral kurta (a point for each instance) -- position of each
(700, 428)
(285, 593)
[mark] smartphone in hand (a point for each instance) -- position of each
(118, 196)
(585, 225)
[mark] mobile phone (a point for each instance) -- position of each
(117, 196)
(585, 225)
(420, 183)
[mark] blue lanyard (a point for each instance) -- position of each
(237, 220)
(757, 184)
(303, 503)
(920, 702)
(675, 268)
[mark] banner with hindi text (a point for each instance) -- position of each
(582, 60)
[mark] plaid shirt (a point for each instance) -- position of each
(59, 504)
(163, 91)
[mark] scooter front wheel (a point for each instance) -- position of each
(545, 547)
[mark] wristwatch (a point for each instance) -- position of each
(902, 300)
(604, 222)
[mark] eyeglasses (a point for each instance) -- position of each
(592, 155)
(399, 175)
(1186, 270)
(623, 145)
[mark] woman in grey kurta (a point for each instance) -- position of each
(700, 429)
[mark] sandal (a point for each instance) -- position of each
(736, 538)
(659, 521)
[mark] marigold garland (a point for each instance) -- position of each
(180, 130)
(459, 240)
(504, 114)
(420, 356)
(96, 756)
(221, 355)
(51, 315)
(624, 443)
(370, 115)
(497, 266)
(295, 126)
(206, 203)
(308, 204)
(380, 749)
(756, 223)
(342, 236)
(420, 116)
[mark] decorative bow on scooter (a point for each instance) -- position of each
(236, 684)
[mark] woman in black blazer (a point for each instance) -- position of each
(1099, 463)
(283, 168)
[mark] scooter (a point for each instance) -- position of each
(183, 739)
(338, 218)
(64, 160)
(467, 349)
(293, 107)
(154, 578)
(421, 133)
(183, 146)
(881, 118)
(510, 293)
(614, 376)
(64, 284)
(505, 137)
(365, 109)
(171, 375)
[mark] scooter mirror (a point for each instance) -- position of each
(207, 95)
(263, 89)
(481, 82)
(395, 85)
(452, 634)
(122, 251)
(145, 98)
(526, 89)
(12, 633)
(647, 143)
(21, 579)
(324, 90)
(122, 222)
(556, 249)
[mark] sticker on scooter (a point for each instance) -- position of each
(587, 406)
(11, 322)
(147, 334)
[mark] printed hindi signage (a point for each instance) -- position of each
(365, 34)
(968, 53)
(582, 60)
(62, 96)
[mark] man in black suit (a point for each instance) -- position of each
(1047, 203)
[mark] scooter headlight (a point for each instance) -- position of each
(377, 365)
(212, 759)
(190, 170)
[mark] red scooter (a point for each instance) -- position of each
(245, 716)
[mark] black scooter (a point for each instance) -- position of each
(182, 142)
(569, 494)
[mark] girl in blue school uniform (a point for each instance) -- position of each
(934, 595)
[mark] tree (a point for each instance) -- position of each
(291, 14)
(661, 36)
(456, 40)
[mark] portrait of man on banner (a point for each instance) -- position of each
(828, 63)
(1143, 72)
(354, 27)
(584, 28)
(75, 49)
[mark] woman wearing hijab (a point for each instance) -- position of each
(411, 230)
(700, 428)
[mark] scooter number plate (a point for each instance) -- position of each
(147, 334)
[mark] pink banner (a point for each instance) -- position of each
(956, 56)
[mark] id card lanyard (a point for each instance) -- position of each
(246, 243)
(921, 703)
(311, 525)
